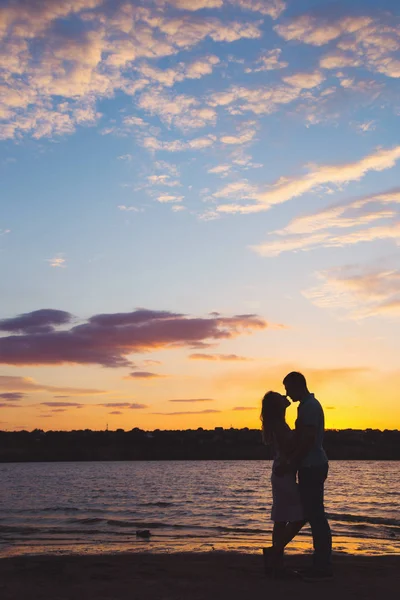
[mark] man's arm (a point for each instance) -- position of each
(305, 435)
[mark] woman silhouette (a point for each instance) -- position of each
(287, 512)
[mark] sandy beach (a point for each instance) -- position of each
(183, 576)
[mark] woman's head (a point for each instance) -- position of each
(273, 411)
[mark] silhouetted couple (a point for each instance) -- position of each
(299, 471)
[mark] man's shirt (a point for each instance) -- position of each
(310, 413)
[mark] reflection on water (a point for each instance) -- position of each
(97, 507)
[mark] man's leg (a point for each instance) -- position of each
(311, 485)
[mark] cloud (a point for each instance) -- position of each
(305, 80)
(115, 412)
(108, 339)
(6, 405)
(163, 165)
(192, 400)
(132, 122)
(222, 170)
(269, 61)
(237, 190)
(168, 77)
(272, 8)
(143, 375)
(167, 198)
(130, 405)
(151, 363)
(243, 138)
(365, 126)
(353, 221)
(179, 110)
(163, 180)
(318, 175)
(214, 357)
(209, 411)
(318, 31)
(338, 60)
(358, 291)
(192, 5)
(43, 320)
(27, 384)
(360, 40)
(57, 261)
(12, 396)
(129, 208)
(259, 101)
(62, 404)
(200, 143)
(59, 61)
(240, 408)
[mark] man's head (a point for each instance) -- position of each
(296, 386)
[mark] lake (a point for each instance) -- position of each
(186, 505)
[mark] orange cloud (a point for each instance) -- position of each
(214, 357)
(27, 384)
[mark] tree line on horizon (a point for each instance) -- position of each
(190, 444)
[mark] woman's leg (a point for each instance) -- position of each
(278, 534)
(283, 533)
(278, 544)
(291, 530)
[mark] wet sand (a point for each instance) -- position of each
(189, 576)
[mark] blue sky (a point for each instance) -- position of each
(198, 156)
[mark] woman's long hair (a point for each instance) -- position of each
(272, 416)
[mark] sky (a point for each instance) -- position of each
(197, 197)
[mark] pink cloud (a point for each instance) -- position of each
(12, 396)
(123, 405)
(62, 404)
(38, 321)
(223, 357)
(107, 339)
(143, 375)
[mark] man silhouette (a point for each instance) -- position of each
(311, 462)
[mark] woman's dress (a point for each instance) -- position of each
(286, 502)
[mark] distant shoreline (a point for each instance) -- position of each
(199, 444)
